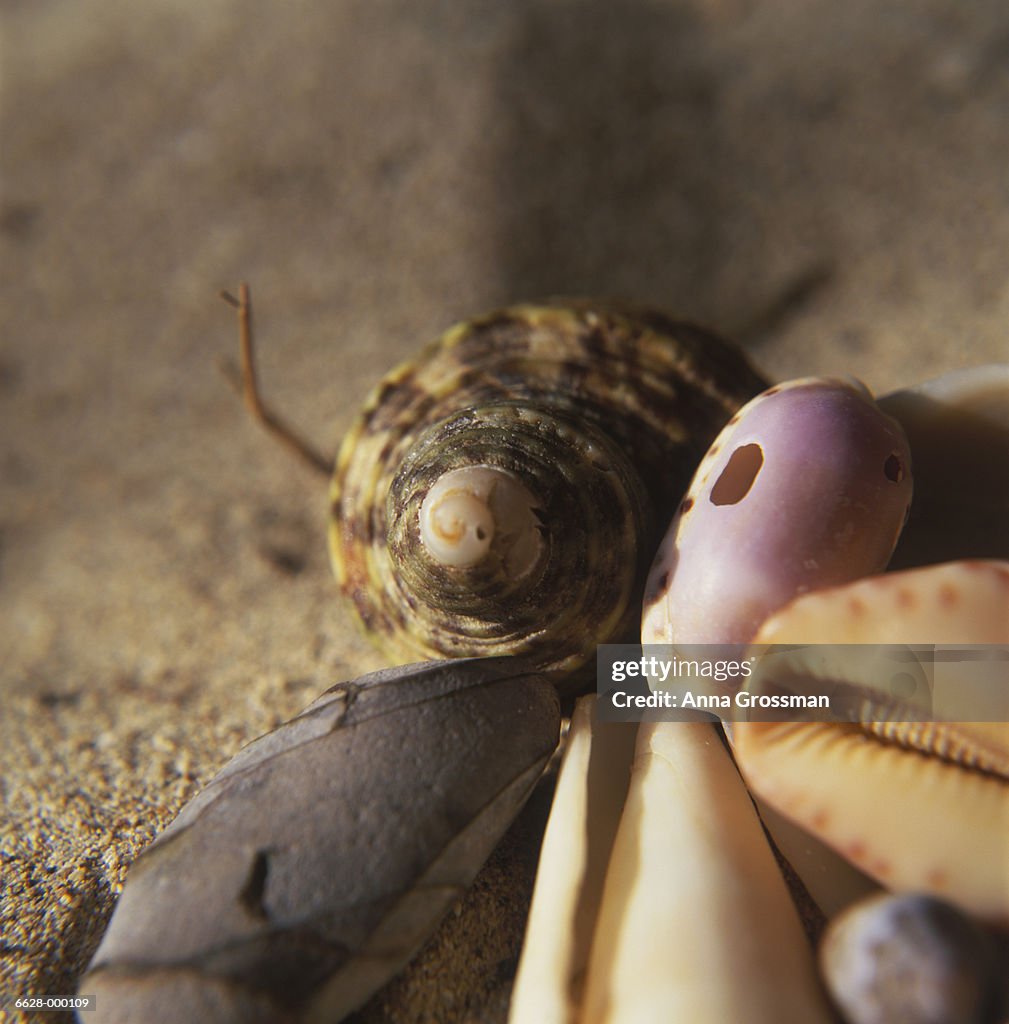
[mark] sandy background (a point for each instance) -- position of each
(826, 182)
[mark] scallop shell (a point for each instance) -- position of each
(917, 806)
(546, 444)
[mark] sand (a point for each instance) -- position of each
(824, 182)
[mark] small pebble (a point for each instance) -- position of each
(909, 959)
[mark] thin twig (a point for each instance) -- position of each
(254, 403)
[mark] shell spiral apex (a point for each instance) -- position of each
(502, 493)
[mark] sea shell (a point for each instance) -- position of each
(807, 486)
(502, 493)
(832, 882)
(958, 428)
(591, 789)
(318, 860)
(696, 922)
(909, 959)
(919, 806)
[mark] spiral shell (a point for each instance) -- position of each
(503, 493)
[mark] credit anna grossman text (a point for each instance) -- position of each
(714, 701)
(803, 682)
(673, 683)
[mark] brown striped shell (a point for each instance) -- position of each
(584, 424)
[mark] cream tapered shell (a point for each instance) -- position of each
(933, 820)
(591, 788)
(696, 923)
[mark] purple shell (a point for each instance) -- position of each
(807, 486)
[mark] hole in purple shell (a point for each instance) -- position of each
(737, 478)
(894, 469)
